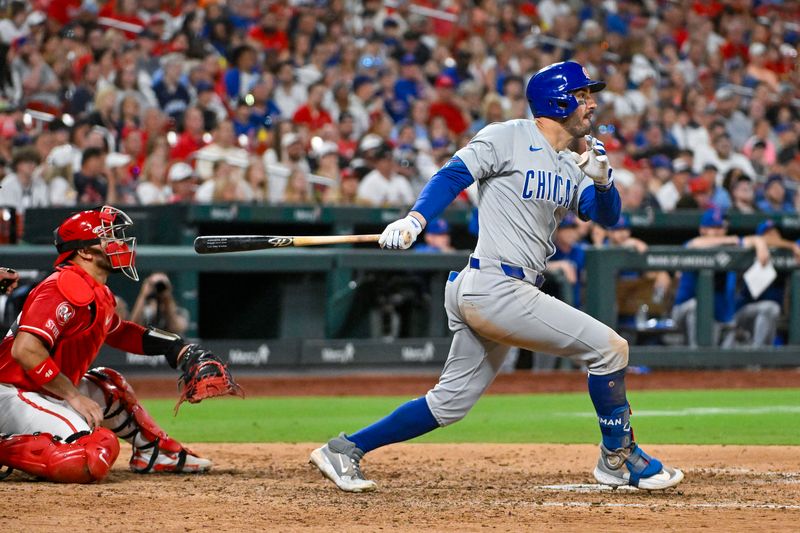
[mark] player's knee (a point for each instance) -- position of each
(445, 408)
(617, 354)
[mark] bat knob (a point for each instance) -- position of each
(408, 240)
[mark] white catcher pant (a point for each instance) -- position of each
(489, 312)
(24, 413)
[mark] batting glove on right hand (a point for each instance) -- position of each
(594, 162)
(400, 234)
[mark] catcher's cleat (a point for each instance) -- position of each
(338, 461)
(153, 458)
(631, 466)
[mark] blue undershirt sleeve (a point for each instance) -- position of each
(603, 207)
(443, 188)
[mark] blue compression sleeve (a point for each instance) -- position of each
(412, 419)
(603, 207)
(443, 188)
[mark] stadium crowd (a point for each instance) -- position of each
(358, 103)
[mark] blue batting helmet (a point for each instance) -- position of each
(550, 90)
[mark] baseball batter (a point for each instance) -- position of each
(59, 420)
(527, 180)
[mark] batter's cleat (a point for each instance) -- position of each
(155, 459)
(339, 461)
(631, 466)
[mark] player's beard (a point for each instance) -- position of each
(102, 260)
(578, 124)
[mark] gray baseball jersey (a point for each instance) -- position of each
(525, 188)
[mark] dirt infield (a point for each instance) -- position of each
(432, 487)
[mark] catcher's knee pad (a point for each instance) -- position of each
(128, 419)
(126, 415)
(82, 458)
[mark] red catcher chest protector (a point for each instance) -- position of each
(75, 354)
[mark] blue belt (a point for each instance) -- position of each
(512, 271)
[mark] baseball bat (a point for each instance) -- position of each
(219, 244)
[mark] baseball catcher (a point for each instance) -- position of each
(61, 421)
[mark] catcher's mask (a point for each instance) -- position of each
(104, 226)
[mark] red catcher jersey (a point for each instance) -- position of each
(72, 333)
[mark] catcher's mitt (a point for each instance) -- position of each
(204, 376)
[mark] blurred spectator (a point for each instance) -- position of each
(722, 156)
(298, 190)
(444, 106)
(358, 103)
(742, 193)
(118, 173)
(671, 191)
(292, 158)
(713, 233)
(775, 199)
(92, 185)
(737, 125)
(183, 182)
(384, 186)
(757, 318)
(701, 189)
(223, 146)
(172, 94)
(58, 172)
(240, 78)
(327, 173)
(289, 95)
(312, 114)
(569, 257)
(38, 81)
(192, 138)
(640, 295)
(156, 306)
(437, 237)
(226, 185)
(256, 178)
(14, 27)
(153, 188)
(23, 188)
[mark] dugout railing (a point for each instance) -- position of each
(604, 264)
(296, 308)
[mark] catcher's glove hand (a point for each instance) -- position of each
(204, 376)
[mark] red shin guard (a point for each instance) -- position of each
(83, 459)
(120, 397)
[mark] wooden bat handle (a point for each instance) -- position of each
(316, 240)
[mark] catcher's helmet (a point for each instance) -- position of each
(550, 90)
(104, 226)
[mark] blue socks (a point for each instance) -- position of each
(613, 412)
(410, 420)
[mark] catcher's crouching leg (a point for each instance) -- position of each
(82, 458)
(153, 449)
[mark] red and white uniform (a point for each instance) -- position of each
(73, 316)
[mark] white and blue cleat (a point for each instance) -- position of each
(631, 466)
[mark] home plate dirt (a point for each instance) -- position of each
(431, 487)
